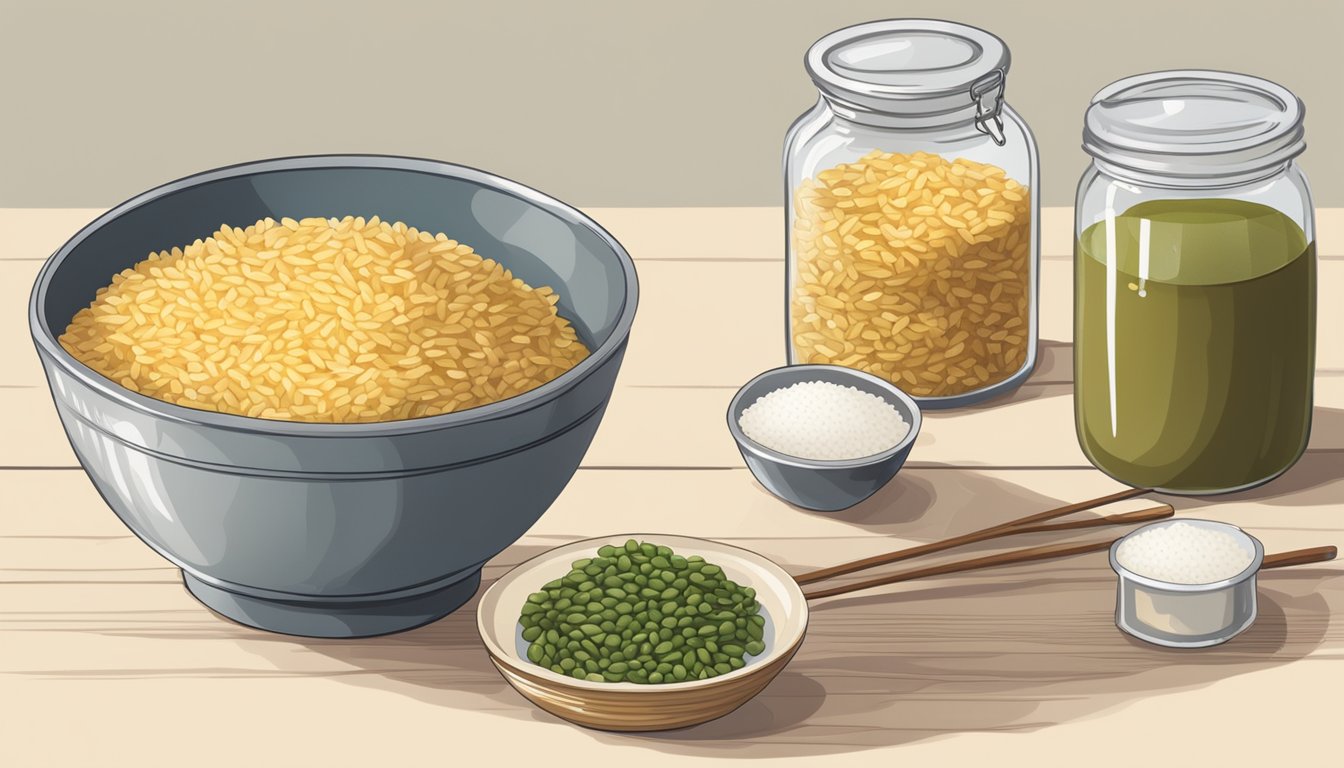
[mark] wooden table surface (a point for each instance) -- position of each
(106, 660)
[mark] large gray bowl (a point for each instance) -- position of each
(339, 530)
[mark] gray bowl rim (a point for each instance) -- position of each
(47, 343)
(1125, 574)
(769, 454)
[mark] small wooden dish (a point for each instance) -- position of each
(629, 706)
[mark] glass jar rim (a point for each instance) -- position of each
(1193, 125)
(910, 67)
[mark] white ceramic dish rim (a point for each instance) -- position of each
(789, 631)
(837, 372)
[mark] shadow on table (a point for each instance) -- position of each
(966, 500)
(1014, 650)
(443, 663)
(1017, 658)
(1004, 651)
(1314, 479)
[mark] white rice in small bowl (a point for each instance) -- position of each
(824, 421)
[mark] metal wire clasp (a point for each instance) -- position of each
(987, 94)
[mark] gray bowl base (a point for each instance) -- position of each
(337, 620)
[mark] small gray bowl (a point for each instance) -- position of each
(824, 486)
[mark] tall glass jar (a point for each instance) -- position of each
(912, 213)
(1195, 283)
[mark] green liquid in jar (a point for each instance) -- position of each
(1194, 360)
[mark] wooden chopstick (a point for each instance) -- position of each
(1021, 525)
(1068, 509)
(1147, 515)
(1031, 554)
(1048, 552)
(1299, 557)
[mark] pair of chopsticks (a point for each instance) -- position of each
(1030, 524)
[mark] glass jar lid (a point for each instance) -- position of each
(1193, 126)
(915, 68)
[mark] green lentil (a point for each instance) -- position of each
(641, 613)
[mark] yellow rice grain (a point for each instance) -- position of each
(933, 254)
(324, 320)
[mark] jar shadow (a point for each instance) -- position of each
(1314, 480)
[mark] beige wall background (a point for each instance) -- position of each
(675, 103)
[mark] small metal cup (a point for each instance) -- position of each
(1187, 615)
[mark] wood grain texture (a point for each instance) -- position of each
(682, 369)
(92, 620)
(104, 657)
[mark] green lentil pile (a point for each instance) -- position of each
(643, 614)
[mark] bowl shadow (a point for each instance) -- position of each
(1014, 650)
(966, 500)
(443, 663)
(884, 670)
